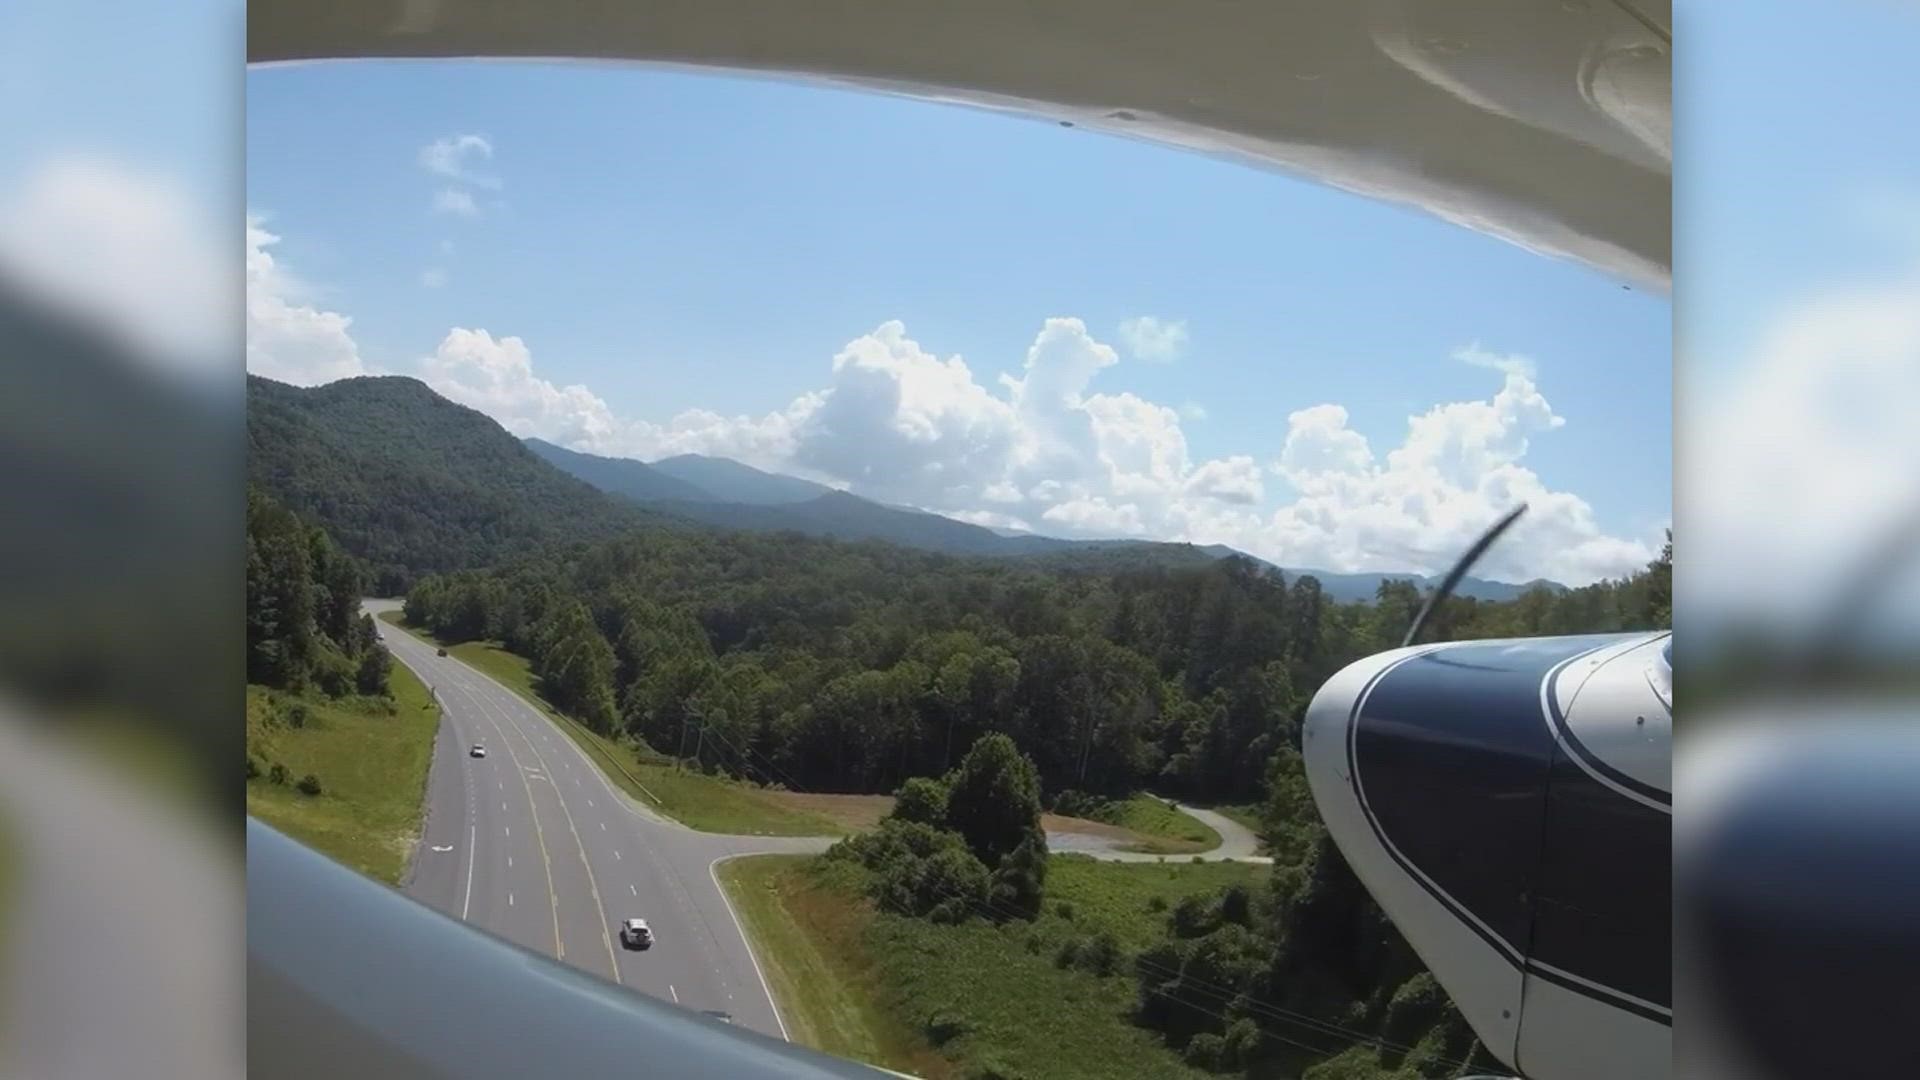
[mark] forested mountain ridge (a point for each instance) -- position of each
(738, 496)
(726, 480)
(412, 483)
(618, 476)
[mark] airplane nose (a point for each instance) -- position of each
(1451, 779)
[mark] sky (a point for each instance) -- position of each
(983, 315)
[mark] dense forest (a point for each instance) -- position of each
(851, 667)
(304, 626)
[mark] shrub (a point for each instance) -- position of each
(1417, 1005)
(943, 1027)
(921, 800)
(1034, 944)
(1064, 909)
(1156, 903)
(1242, 1043)
(253, 768)
(297, 716)
(1067, 955)
(277, 774)
(1101, 955)
(1236, 905)
(309, 785)
(1205, 1051)
(1194, 916)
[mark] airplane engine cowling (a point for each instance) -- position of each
(1508, 804)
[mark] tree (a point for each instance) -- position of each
(994, 798)
(921, 799)
(1018, 886)
(375, 667)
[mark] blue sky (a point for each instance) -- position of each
(673, 241)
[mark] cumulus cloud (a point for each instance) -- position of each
(1457, 470)
(457, 157)
(496, 376)
(1153, 339)
(1193, 410)
(1042, 448)
(433, 277)
(288, 337)
(456, 202)
(126, 249)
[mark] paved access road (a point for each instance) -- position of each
(534, 844)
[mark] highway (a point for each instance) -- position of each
(535, 845)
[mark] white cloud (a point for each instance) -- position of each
(1233, 480)
(288, 338)
(126, 249)
(902, 425)
(1153, 339)
(433, 277)
(455, 157)
(1193, 410)
(456, 202)
(496, 376)
(1457, 471)
(1479, 357)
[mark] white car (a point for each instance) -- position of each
(477, 751)
(636, 934)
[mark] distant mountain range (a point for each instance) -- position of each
(729, 494)
(414, 483)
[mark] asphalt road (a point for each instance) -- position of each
(534, 844)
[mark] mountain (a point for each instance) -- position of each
(413, 483)
(728, 481)
(618, 476)
(1364, 586)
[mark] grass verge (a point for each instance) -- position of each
(370, 756)
(707, 803)
(975, 999)
(811, 945)
(1168, 831)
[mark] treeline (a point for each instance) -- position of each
(853, 667)
(304, 626)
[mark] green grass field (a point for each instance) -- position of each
(707, 803)
(985, 999)
(1168, 831)
(371, 759)
(810, 942)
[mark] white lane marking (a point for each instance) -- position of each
(503, 806)
(589, 803)
(603, 826)
(616, 855)
(675, 993)
(471, 837)
(508, 828)
(713, 873)
(509, 862)
(633, 890)
(443, 847)
(509, 898)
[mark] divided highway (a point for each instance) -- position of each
(534, 844)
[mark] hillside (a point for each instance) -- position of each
(618, 476)
(737, 496)
(413, 483)
(726, 480)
